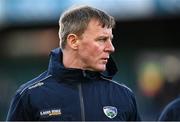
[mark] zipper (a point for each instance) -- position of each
(84, 73)
(81, 102)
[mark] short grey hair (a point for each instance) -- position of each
(76, 19)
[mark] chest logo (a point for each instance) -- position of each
(110, 111)
(53, 112)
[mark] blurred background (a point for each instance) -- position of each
(146, 39)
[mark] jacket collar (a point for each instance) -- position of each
(57, 68)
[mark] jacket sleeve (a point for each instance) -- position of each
(19, 108)
(136, 115)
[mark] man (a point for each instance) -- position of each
(171, 111)
(77, 85)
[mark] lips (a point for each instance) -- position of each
(105, 60)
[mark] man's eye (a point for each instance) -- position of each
(102, 40)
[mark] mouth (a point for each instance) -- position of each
(104, 60)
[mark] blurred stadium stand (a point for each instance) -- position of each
(146, 39)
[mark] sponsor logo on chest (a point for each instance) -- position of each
(53, 112)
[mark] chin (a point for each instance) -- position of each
(101, 69)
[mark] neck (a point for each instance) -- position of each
(70, 59)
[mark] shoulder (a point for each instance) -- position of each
(173, 105)
(36, 82)
(171, 111)
(120, 86)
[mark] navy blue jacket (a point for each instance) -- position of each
(171, 112)
(73, 94)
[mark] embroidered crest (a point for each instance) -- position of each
(110, 111)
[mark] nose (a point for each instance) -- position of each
(109, 47)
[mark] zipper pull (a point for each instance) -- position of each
(84, 73)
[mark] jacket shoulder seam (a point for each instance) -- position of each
(122, 85)
(34, 83)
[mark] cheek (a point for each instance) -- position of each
(94, 50)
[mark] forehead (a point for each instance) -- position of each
(95, 26)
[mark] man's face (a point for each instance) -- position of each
(95, 46)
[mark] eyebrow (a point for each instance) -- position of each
(105, 37)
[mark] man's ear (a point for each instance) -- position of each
(72, 41)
